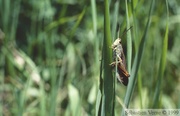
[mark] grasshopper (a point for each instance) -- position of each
(121, 62)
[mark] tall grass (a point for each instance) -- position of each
(129, 40)
(137, 61)
(156, 100)
(108, 83)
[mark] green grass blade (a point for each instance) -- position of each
(129, 41)
(133, 6)
(94, 16)
(137, 61)
(162, 64)
(108, 95)
(74, 28)
(74, 100)
(114, 36)
(115, 19)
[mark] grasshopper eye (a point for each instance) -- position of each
(114, 46)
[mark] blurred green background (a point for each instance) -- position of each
(51, 50)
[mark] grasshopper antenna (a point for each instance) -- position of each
(126, 31)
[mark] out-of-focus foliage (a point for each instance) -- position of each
(50, 55)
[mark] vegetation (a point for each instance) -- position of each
(55, 56)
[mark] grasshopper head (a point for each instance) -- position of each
(116, 43)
